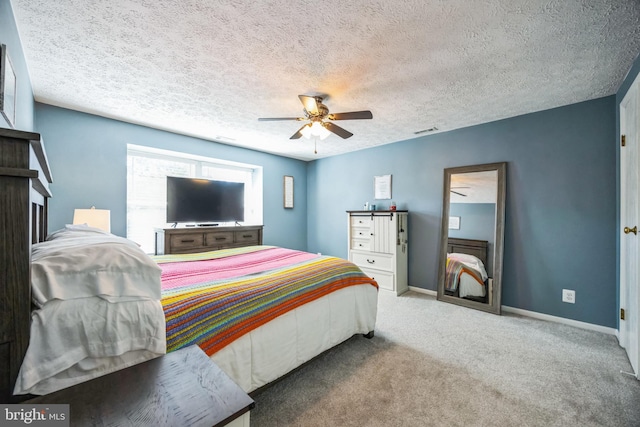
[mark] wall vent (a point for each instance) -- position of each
(431, 129)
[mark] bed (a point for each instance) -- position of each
(257, 311)
(301, 305)
(465, 273)
(253, 359)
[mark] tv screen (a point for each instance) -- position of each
(204, 201)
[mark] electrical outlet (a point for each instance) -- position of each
(569, 296)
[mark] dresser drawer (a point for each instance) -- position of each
(373, 260)
(249, 236)
(360, 233)
(385, 280)
(360, 221)
(218, 238)
(186, 241)
(361, 244)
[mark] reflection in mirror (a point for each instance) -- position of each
(472, 236)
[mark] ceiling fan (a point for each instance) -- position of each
(316, 113)
(457, 192)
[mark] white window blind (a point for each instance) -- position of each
(147, 171)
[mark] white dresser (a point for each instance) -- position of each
(378, 245)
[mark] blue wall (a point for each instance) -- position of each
(560, 211)
(477, 221)
(24, 99)
(88, 156)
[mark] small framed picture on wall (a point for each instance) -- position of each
(454, 223)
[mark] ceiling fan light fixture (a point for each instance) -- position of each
(315, 129)
(323, 132)
(315, 111)
(306, 131)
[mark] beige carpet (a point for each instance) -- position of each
(437, 364)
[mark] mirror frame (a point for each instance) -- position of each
(494, 306)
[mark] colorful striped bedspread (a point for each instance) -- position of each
(213, 298)
(453, 272)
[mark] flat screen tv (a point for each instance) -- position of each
(204, 201)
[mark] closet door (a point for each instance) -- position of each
(629, 222)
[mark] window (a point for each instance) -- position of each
(147, 171)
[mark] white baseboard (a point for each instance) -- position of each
(423, 291)
(541, 316)
(570, 322)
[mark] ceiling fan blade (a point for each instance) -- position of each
(459, 194)
(310, 104)
(343, 133)
(298, 134)
(273, 119)
(354, 115)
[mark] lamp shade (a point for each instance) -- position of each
(98, 218)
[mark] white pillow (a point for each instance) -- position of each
(470, 261)
(76, 230)
(92, 264)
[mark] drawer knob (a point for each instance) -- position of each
(371, 261)
(187, 241)
(246, 236)
(220, 238)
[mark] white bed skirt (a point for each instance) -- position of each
(469, 286)
(276, 348)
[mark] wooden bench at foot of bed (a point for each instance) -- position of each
(178, 389)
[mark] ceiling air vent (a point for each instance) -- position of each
(431, 129)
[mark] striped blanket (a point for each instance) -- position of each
(213, 298)
(453, 272)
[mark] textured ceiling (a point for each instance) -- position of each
(211, 68)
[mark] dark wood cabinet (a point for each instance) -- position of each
(186, 240)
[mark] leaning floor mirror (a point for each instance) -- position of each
(471, 244)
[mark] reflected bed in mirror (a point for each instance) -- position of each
(470, 267)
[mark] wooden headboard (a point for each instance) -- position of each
(24, 194)
(477, 248)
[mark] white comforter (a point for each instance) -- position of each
(468, 285)
(98, 299)
(76, 340)
(87, 266)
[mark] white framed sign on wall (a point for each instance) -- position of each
(382, 187)
(288, 191)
